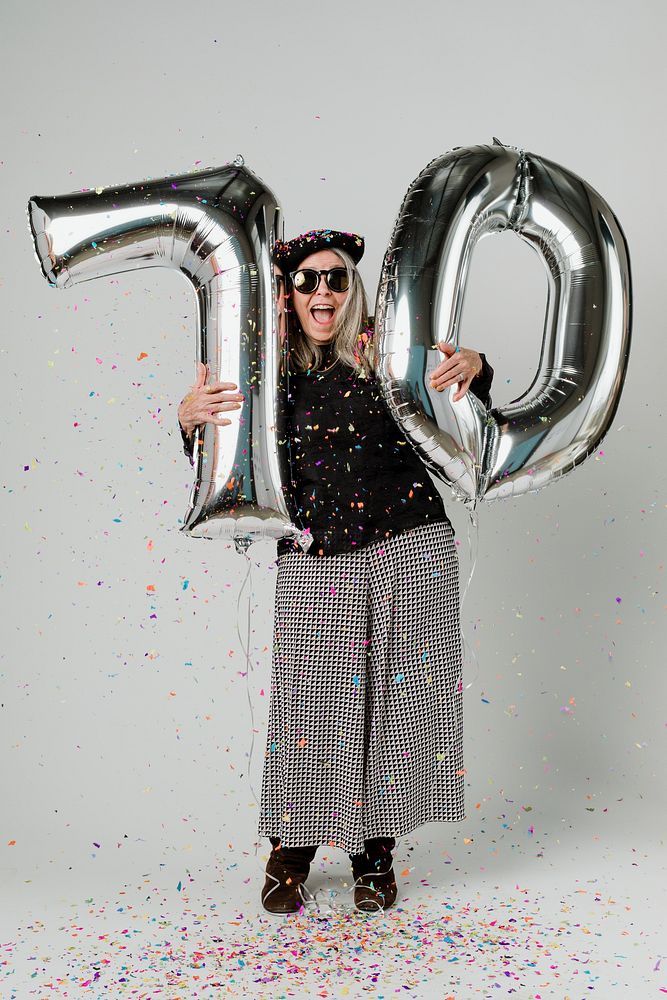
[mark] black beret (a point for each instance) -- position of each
(289, 255)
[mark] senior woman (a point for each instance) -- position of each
(365, 733)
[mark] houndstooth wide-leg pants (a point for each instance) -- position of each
(365, 731)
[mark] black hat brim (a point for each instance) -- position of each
(289, 255)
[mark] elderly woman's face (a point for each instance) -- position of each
(317, 311)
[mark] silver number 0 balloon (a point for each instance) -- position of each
(217, 227)
(457, 199)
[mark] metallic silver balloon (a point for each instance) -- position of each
(458, 199)
(217, 227)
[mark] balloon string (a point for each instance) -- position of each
(473, 545)
(245, 646)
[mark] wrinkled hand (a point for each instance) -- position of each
(459, 366)
(204, 402)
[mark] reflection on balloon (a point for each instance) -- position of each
(455, 201)
(216, 227)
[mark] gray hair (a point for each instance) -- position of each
(352, 343)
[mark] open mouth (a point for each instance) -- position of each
(322, 314)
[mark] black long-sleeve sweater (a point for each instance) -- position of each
(356, 478)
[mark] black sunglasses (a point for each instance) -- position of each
(307, 280)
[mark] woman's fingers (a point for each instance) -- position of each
(219, 396)
(220, 386)
(461, 364)
(462, 390)
(215, 419)
(440, 380)
(204, 403)
(210, 405)
(449, 377)
(225, 404)
(202, 372)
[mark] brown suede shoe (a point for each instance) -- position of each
(374, 890)
(282, 892)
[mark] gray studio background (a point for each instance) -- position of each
(126, 713)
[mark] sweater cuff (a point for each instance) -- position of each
(188, 443)
(481, 384)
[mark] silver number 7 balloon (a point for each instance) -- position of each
(216, 227)
(456, 200)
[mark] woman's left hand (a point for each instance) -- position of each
(460, 365)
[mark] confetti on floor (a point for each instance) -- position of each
(453, 944)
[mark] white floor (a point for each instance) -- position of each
(487, 918)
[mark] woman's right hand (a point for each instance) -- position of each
(204, 402)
